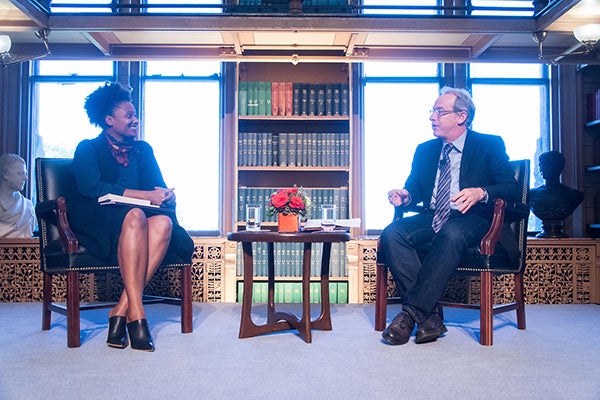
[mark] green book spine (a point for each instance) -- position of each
(240, 291)
(314, 298)
(243, 98)
(296, 292)
(333, 298)
(264, 292)
(342, 292)
(262, 98)
(268, 98)
(304, 98)
(288, 292)
(279, 292)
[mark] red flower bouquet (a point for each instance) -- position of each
(288, 201)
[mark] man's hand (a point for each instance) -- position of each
(466, 198)
(398, 197)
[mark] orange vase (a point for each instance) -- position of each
(288, 222)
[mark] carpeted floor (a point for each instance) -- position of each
(557, 357)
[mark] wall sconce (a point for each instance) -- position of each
(5, 44)
(7, 58)
(587, 36)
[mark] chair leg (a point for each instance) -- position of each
(73, 314)
(380, 297)
(186, 299)
(486, 328)
(520, 300)
(47, 300)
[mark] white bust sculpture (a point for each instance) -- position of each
(17, 217)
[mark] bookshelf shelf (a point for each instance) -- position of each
(293, 128)
(319, 118)
(590, 84)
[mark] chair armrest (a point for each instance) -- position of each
(46, 209)
(67, 237)
(54, 212)
(488, 243)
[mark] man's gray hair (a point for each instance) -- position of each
(464, 102)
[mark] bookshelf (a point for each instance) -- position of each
(293, 128)
(590, 76)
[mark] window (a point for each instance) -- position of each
(180, 119)
(58, 126)
(398, 97)
(511, 100)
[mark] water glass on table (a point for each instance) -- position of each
(253, 217)
(328, 216)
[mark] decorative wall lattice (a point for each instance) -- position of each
(559, 271)
(21, 278)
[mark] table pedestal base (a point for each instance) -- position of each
(281, 321)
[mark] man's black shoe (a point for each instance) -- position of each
(399, 330)
(430, 329)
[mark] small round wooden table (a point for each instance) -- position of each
(277, 320)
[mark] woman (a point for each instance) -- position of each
(137, 238)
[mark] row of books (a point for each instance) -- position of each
(288, 259)
(291, 292)
(593, 106)
(293, 149)
(261, 195)
(286, 2)
(262, 98)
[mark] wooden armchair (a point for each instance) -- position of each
(485, 260)
(60, 252)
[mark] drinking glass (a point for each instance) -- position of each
(253, 217)
(328, 216)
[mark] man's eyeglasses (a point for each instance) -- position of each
(440, 112)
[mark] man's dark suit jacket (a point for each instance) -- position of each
(484, 164)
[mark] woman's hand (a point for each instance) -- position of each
(163, 196)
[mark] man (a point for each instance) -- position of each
(454, 176)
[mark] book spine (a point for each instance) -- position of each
(243, 98)
(312, 100)
(296, 99)
(268, 98)
(304, 99)
(262, 98)
(320, 100)
(275, 98)
(289, 94)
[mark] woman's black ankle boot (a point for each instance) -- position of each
(139, 335)
(117, 332)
